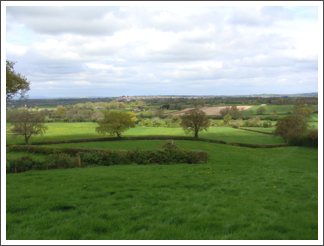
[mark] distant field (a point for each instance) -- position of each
(281, 109)
(208, 110)
(313, 117)
(315, 107)
(64, 131)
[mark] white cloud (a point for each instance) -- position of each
(16, 50)
(81, 83)
(142, 48)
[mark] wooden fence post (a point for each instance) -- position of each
(79, 159)
(15, 167)
(46, 166)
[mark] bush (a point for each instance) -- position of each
(23, 164)
(309, 139)
(267, 124)
(92, 158)
(60, 160)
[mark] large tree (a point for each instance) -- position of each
(303, 111)
(195, 120)
(289, 127)
(115, 122)
(26, 123)
(261, 110)
(15, 82)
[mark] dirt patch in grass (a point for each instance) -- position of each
(209, 110)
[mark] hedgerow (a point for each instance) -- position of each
(60, 157)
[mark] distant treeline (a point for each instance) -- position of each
(176, 103)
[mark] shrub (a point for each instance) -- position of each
(309, 139)
(92, 158)
(60, 160)
(23, 164)
(267, 124)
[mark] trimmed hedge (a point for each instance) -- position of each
(127, 138)
(61, 158)
(258, 145)
(74, 151)
(269, 133)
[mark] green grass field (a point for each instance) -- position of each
(65, 131)
(281, 110)
(241, 194)
(313, 117)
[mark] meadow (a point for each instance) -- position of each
(240, 194)
(65, 131)
(281, 110)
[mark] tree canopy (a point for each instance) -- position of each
(289, 127)
(261, 110)
(27, 124)
(115, 122)
(303, 111)
(227, 119)
(195, 120)
(15, 82)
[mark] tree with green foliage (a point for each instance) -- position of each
(280, 101)
(257, 101)
(227, 119)
(132, 115)
(261, 110)
(15, 82)
(290, 126)
(26, 123)
(113, 104)
(60, 111)
(195, 120)
(132, 105)
(115, 122)
(175, 119)
(303, 111)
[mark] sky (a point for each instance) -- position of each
(202, 49)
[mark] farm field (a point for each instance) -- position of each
(208, 110)
(65, 131)
(241, 194)
(313, 117)
(281, 109)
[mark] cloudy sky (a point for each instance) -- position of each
(98, 51)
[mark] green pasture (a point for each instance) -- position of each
(65, 131)
(240, 194)
(281, 109)
(313, 117)
(313, 125)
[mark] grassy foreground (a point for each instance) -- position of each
(242, 193)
